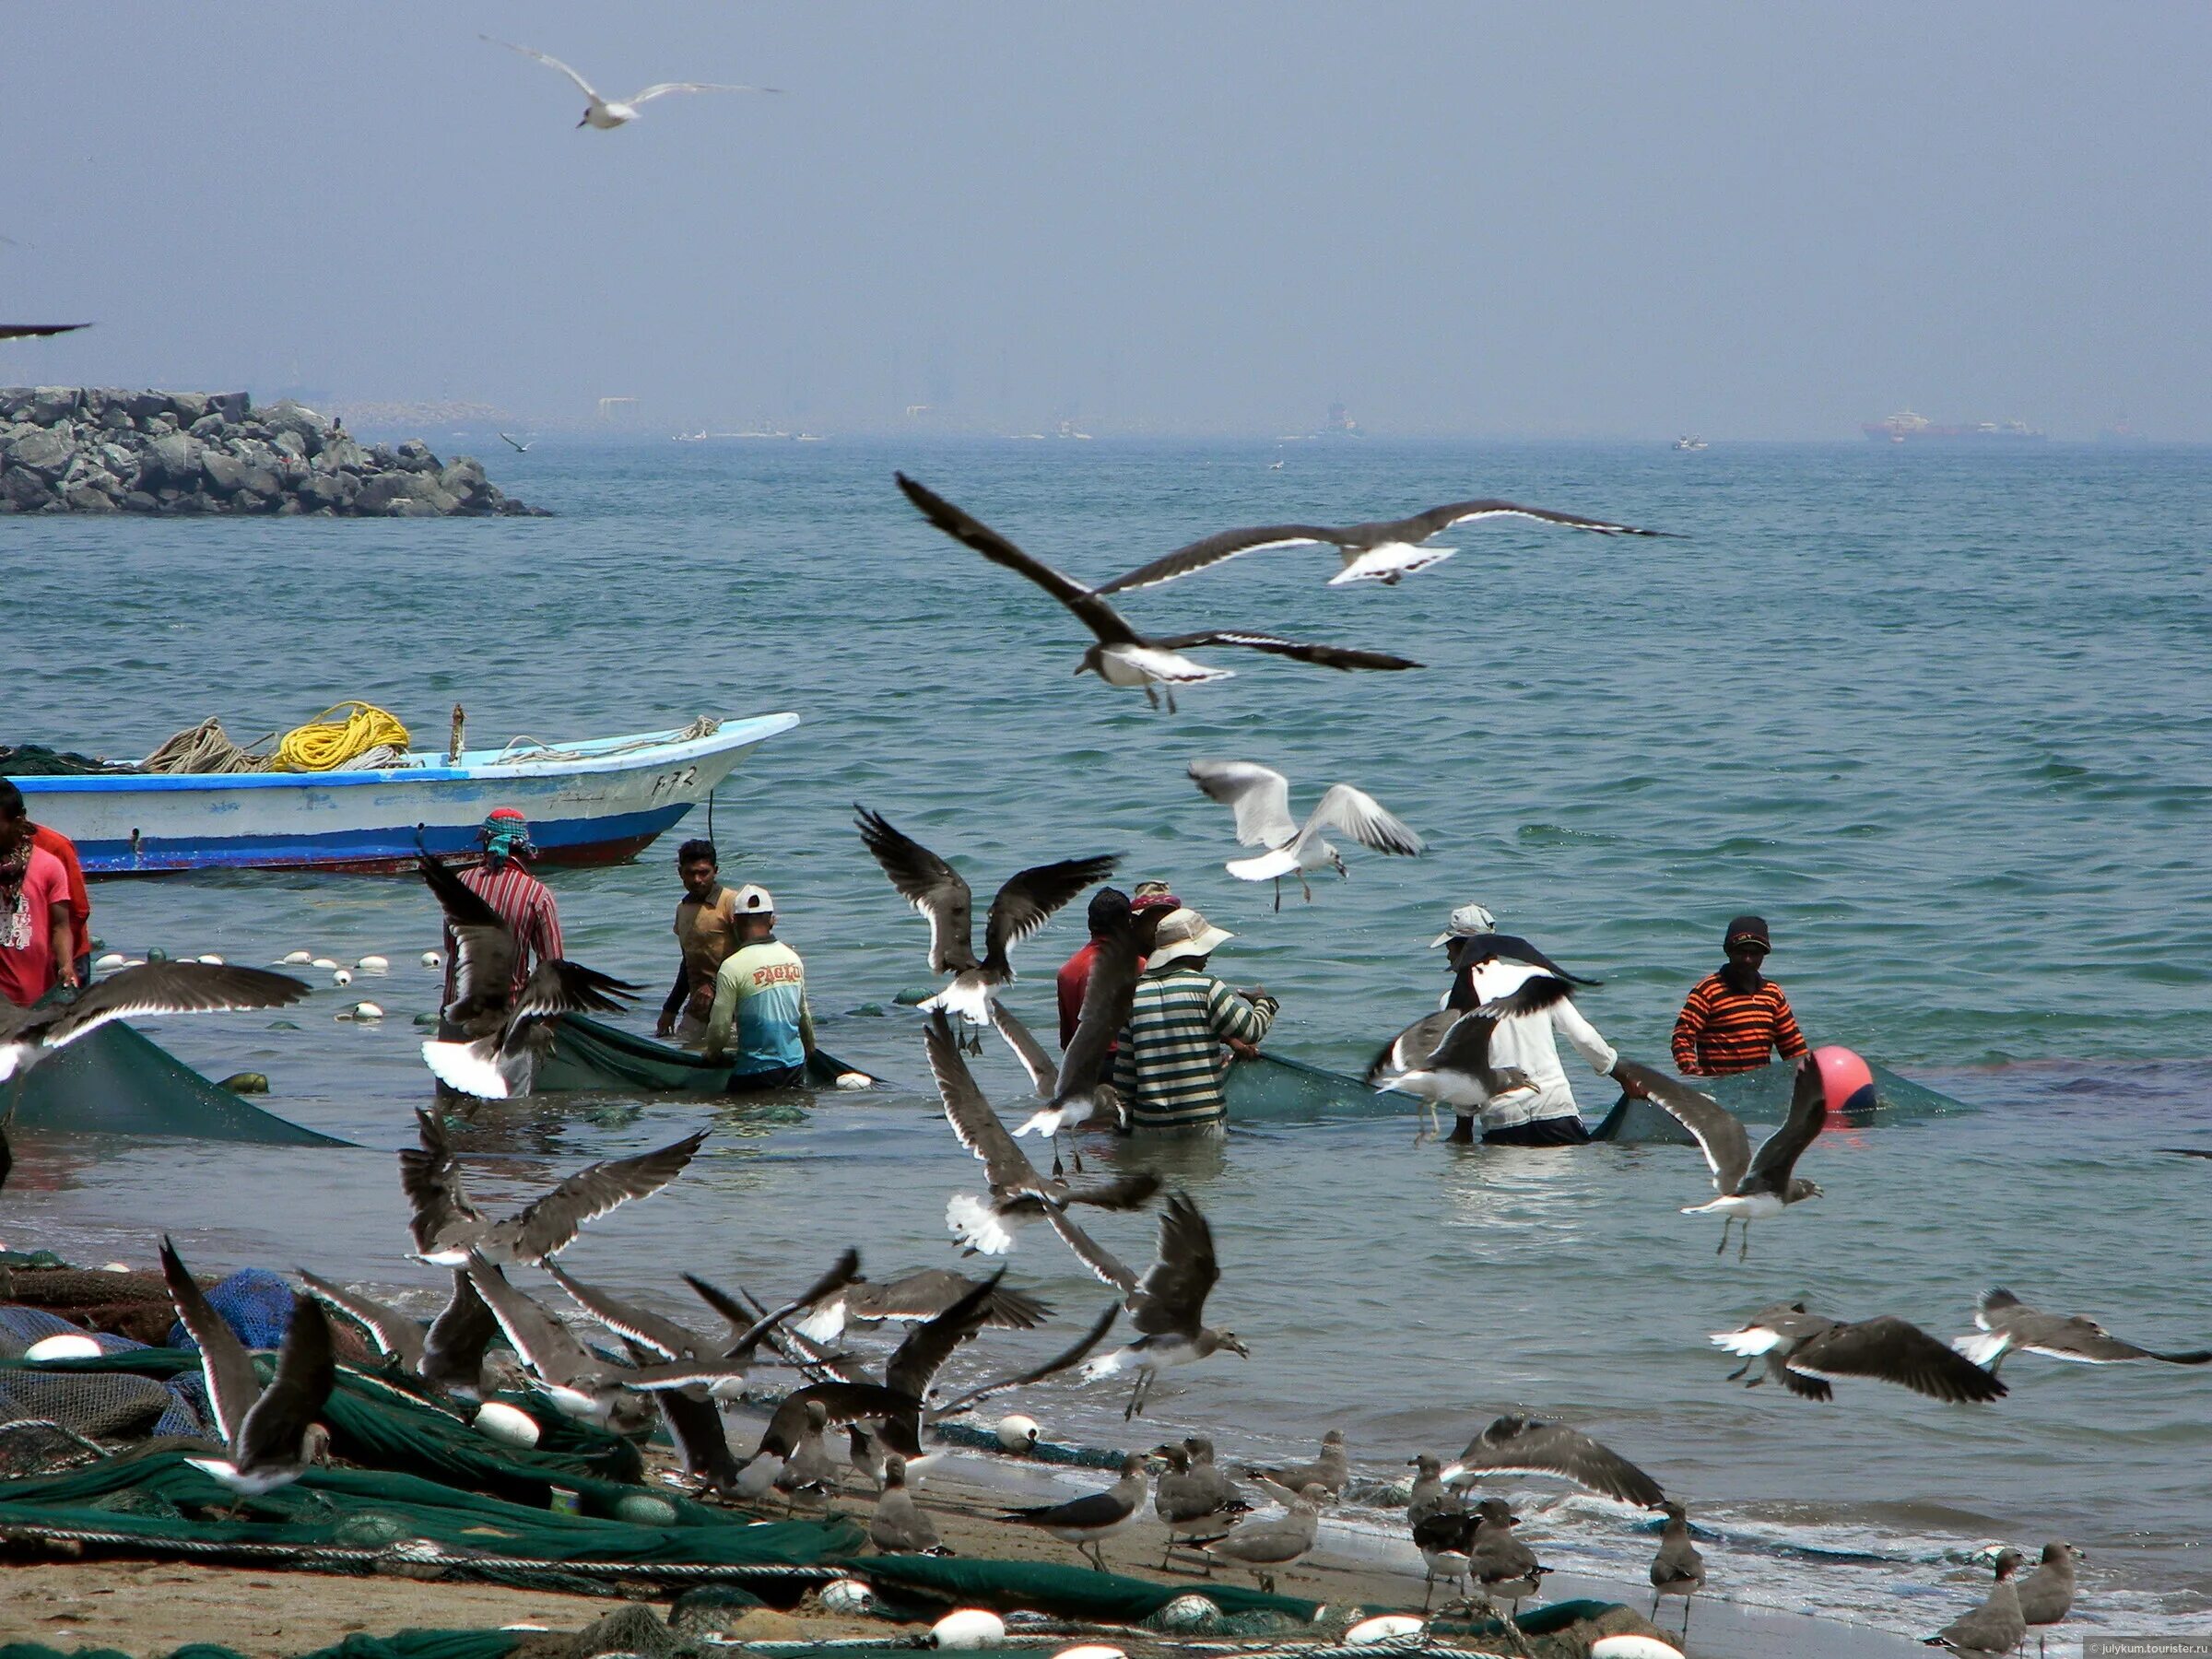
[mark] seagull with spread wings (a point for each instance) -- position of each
(448, 1229)
(1525, 1445)
(1805, 1352)
(446, 1353)
(504, 1035)
(30, 1035)
(1445, 1057)
(1021, 906)
(270, 1435)
(607, 113)
(1260, 797)
(1167, 1305)
(2007, 1322)
(1018, 1193)
(1751, 1188)
(1071, 1088)
(1386, 551)
(1121, 656)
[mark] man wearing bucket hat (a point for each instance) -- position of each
(760, 1019)
(1735, 1018)
(1486, 965)
(1169, 1065)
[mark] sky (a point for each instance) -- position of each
(1552, 220)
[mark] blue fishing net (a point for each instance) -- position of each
(253, 1302)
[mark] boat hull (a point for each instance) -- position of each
(604, 802)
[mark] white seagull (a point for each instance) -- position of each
(607, 113)
(1387, 551)
(1751, 1188)
(1261, 799)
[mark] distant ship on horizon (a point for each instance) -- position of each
(1908, 428)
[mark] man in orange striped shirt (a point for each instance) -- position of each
(1736, 1019)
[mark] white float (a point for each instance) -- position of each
(296, 959)
(1386, 1627)
(211, 960)
(1091, 1650)
(361, 1010)
(325, 963)
(374, 964)
(64, 1345)
(1017, 1433)
(965, 1629)
(855, 1080)
(1188, 1612)
(1632, 1647)
(341, 977)
(115, 958)
(430, 959)
(115, 1266)
(846, 1595)
(496, 1419)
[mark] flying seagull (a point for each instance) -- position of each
(505, 1034)
(30, 1035)
(1018, 1191)
(1071, 1088)
(579, 1382)
(1120, 656)
(1805, 1352)
(446, 1353)
(1523, 1445)
(1260, 797)
(1445, 1057)
(519, 447)
(933, 886)
(448, 1229)
(1751, 1189)
(1387, 551)
(607, 113)
(909, 1300)
(270, 1434)
(1168, 1305)
(2008, 1323)
(33, 331)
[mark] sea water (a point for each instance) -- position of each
(1944, 719)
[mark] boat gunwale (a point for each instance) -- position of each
(744, 733)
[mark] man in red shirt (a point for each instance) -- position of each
(80, 901)
(38, 949)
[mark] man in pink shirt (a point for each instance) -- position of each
(38, 942)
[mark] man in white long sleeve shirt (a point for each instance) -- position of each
(1483, 973)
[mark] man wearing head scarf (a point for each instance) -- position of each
(1736, 1019)
(1169, 1065)
(1486, 965)
(522, 901)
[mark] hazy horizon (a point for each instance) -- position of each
(1565, 222)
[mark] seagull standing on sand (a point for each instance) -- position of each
(1387, 551)
(1751, 1189)
(1678, 1569)
(2008, 1323)
(1805, 1352)
(448, 1229)
(607, 113)
(2047, 1594)
(1192, 1497)
(1121, 656)
(1088, 1522)
(1260, 797)
(1266, 1542)
(1995, 1627)
(270, 1434)
(901, 1525)
(933, 886)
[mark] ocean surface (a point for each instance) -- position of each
(1945, 719)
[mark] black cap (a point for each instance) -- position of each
(1747, 930)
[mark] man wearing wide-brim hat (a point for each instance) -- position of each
(1173, 1056)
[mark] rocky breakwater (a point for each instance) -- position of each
(69, 448)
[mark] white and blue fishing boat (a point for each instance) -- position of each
(599, 800)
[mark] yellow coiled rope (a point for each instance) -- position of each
(324, 745)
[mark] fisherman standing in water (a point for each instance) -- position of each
(1735, 1018)
(1486, 965)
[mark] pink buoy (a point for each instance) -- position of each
(1847, 1080)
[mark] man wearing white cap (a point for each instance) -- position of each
(1486, 965)
(1169, 1064)
(760, 1019)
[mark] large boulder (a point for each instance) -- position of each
(172, 458)
(46, 451)
(187, 407)
(231, 406)
(52, 404)
(145, 406)
(85, 497)
(24, 491)
(225, 472)
(415, 456)
(304, 425)
(333, 491)
(210, 425)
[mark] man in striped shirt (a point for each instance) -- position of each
(1736, 1019)
(1169, 1065)
(524, 903)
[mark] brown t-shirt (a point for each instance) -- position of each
(706, 934)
